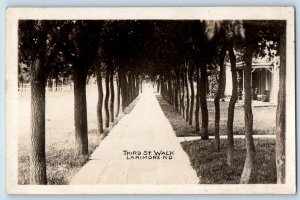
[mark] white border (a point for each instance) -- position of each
(213, 13)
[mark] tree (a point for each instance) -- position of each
(231, 106)
(107, 116)
(112, 94)
(197, 128)
(185, 79)
(234, 32)
(208, 51)
(257, 37)
(100, 98)
(250, 45)
(182, 101)
(23, 75)
(203, 103)
(191, 72)
(33, 50)
(249, 163)
(79, 42)
(280, 114)
(218, 96)
(118, 92)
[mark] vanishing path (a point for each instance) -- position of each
(145, 129)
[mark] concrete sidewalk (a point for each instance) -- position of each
(145, 129)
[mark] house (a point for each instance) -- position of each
(264, 79)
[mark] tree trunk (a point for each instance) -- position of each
(141, 86)
(129, 88)
(197, 128)
(179, 94)
(231, 106)
(37, 151)
(56, 84)
(280, 113)
(81, 137)
(162, 90)
(100, 99)
(183, 94)
(218, 97)
(136, 86)
(106, 98)
(191, 72)
(136, 89)
(158, 84)
(250, 156)
(203, 103)
(170, 91)
(122, 87)
(112, 94)
(132, 87)
(176, 91)
(224, 84)
(187, 95)
(118, 93)
(173, 89)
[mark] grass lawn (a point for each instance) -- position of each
(180, 126)
(264, 119)
(62, 164)
(211, 166)
(60, 159)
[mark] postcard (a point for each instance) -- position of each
(150, 100)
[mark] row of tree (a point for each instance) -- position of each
(176, 54)
(198, 55)
(50, 48)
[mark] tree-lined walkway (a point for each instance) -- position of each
(144, 129)
(180, 57)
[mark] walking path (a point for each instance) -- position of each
(145, 129)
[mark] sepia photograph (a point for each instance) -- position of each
(150, 100)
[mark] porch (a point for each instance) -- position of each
(264, 82)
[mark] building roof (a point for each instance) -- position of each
(259, 63)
